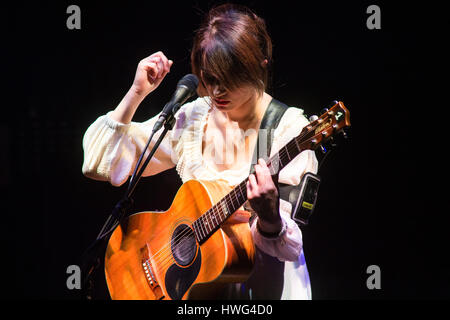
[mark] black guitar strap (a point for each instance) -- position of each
(269, 123)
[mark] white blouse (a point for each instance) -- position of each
(111, 151)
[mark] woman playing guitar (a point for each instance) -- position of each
(214, 138)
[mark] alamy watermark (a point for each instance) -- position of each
(73, 21)
(374, 280)
(374, 20)
(74, 279)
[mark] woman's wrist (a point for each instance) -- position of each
(138, 92)
(271, 229)
(127, 107)
(274, 226)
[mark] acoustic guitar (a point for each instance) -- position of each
(194, 247)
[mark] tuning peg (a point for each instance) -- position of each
(313, 118)
(333, 103)
(324, 110)
(328, 107)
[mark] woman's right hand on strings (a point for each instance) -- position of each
(150, 73)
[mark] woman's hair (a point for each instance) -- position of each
(232, 48)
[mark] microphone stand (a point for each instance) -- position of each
(91, 257)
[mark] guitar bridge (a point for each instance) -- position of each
(150, 275)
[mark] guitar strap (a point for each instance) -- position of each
(269, 123)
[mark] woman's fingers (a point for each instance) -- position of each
(252, 187)
(167, 64)
(262, 192)
(157, 65)
(164, 63)
(151, 70)
(150, 73)
(262, 173)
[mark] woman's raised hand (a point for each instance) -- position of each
(150, 73)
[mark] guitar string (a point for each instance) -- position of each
(178, 240)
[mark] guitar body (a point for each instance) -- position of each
(155, 255)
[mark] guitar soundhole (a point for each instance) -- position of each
(183, 245)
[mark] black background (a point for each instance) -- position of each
(376, 203)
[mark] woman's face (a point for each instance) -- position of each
(227, 100)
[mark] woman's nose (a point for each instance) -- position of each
(217, 91)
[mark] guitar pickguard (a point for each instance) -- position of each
(178, 280)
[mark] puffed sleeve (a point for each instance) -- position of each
(112, 149)
(287, 246)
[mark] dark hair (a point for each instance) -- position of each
(230, 47)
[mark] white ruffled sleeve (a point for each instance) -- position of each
(112, 149)
(288, 245)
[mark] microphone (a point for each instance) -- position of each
(186, 88)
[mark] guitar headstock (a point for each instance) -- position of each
(333, 121)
